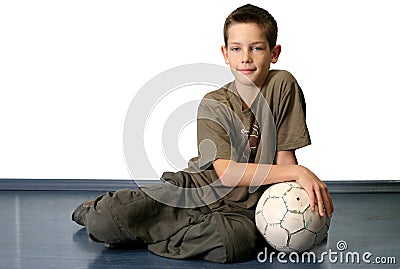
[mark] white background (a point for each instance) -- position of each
(70, 69)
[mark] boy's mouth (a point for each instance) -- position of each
(246, 70)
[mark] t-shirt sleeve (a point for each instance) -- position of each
(292, 131)
(213, 133)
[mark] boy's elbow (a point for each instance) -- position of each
(221, 169)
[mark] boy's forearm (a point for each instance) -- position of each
(250, 174)
(234, 174)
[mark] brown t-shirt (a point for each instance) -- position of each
(227, 131)
(222, 120)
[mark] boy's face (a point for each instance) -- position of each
(248, 53)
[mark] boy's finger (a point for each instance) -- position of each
(312, 200)
(320, 202)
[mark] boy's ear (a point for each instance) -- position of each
(276, 51)
(225, 53)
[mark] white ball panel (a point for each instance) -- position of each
(274, 210)
(297, 200)
(260, 222)
(279, 190)
(302, 240)
(293, 222)
(322, 234)
(313, 221)
(276, 236)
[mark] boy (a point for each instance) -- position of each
(231, 132)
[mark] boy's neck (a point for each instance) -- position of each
(248, 93)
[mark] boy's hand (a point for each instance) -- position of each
(317, 191)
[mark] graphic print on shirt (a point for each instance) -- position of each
(250, 140)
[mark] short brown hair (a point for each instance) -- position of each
(253, 14)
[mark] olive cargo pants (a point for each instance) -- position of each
(126, 215)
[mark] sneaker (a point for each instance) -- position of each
(79, 215)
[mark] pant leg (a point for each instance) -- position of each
(105, 223)
(217, 237)
(127, 215)
(132, 214)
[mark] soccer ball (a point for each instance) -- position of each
(284, 217)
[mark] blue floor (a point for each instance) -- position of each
(37, 232)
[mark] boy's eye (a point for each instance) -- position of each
(257, 48)
(235, 49)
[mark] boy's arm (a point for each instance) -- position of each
(232, 173)
(285, 157)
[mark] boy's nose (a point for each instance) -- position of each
(245, 57)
